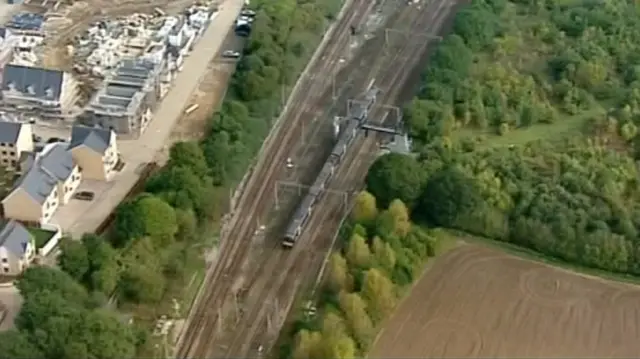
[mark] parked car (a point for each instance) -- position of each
(55, 139)
(84, 195)
(230, 54)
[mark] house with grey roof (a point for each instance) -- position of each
(95, 151)
(15, 138)
(38, 91)
(49, 183)
(17, 248)
(127, 98)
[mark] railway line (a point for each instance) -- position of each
(294, 264)
(200, 333)
(305, 259)
(277, 274)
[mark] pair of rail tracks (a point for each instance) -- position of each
(278, 274)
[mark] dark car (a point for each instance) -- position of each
(55, 140)
(84, 195)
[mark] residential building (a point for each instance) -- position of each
(15, 139)
(126, 101)
(38, 91)
(8, 42)
(95, 151)
(17, 248)
(50, 182)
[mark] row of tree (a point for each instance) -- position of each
(156, 240)
(60, 319)
(382, 252)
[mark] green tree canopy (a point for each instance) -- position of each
(74, 259)
(364, 209)
(17, 345)
(355, 311)
(395, 176)
(358, 252)
(380, 294)
(40, 278)
(147, 215)
(449, 193)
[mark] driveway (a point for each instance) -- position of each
(11, 299)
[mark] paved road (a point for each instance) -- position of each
(79, 217)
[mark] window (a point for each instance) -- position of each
(12, 153)
(14, 163)
(4, 152)
(10, 144)
(5, 260)
(6, 270)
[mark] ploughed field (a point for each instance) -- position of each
(479, 302)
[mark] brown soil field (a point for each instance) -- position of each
(478, 302)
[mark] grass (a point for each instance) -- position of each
(539, 257)
(41, 236)
(567, 126)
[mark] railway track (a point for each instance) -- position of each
(235, 247)
(304, 259)
(310, 249)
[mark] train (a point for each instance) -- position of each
(358, 116)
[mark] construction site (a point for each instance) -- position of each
(115, 60)
(250, 289)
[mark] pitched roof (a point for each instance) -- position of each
(54, 165)
(9, 131)
(14, 237)
(43, 83)
(97, 139)
(57, 161)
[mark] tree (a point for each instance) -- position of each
(41, 306)
(109, 337)
(339, 347)
(307, 345)
(74, 259)
(142, 280)
(449, 193)
(385, 257)
(358, 253)
(189, 155)
(355, 311)
(339, 277)
(104, 270)
(16, 345)
(395, 176)
(364, 209)
(187, 225)
(38, 278)
(400, 214)
(379, 292)
(147, 215)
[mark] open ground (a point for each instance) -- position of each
(478, 302)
